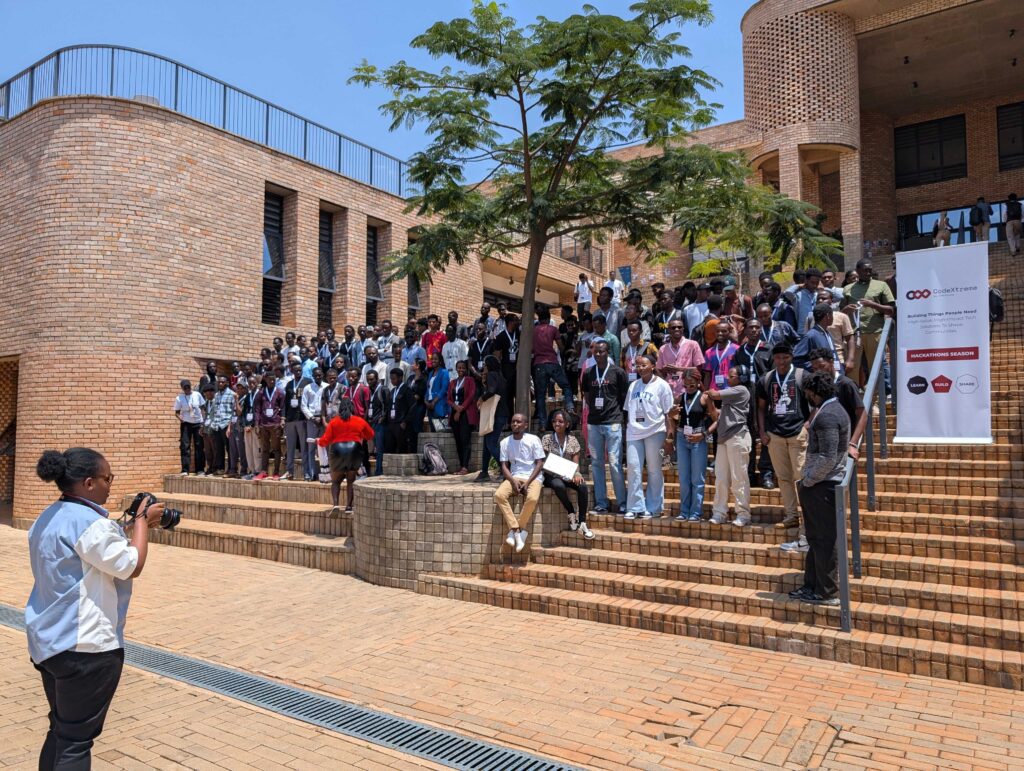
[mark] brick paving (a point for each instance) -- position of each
(155, 722)
(593, 694)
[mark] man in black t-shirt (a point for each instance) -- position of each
(506, 348)
(847, 392)
(604, 389)
(781, 414)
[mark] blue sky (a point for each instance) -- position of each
(300, 54)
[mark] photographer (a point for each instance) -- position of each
(82, 564)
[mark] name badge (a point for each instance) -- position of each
(393, 413)
(640, 417)
(781, 408)
(295, 402)
(720, 381)
(688, 431)
(632, 376)
(598, 402)
(269, 412)
(234, 420)
(512, 356)
(249, 417)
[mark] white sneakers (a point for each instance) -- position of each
(799, 545)
(510, 539)
(585, 531)
(717, 519)
(520, 539)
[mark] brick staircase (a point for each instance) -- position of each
(942, 592)
(287, 522)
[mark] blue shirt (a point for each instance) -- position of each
(816, 337)
(806, 299)
(82, 565)
(414, 352)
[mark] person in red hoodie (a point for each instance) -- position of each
(344, 439)
(465, 416)
(433, 339)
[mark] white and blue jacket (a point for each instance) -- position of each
(82, 563)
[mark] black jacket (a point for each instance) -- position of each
(403, 401)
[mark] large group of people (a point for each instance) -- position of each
(698, 376)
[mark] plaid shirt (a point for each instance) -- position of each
(223, 410)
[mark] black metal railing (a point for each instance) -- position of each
(875, 389)
(575, 251)
(106, 70)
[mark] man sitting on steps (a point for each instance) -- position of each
(522, 458)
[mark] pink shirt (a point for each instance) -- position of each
(688, 355)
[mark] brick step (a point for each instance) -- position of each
(999, 450)
(966, 599)
(334, 554)
(959, 629)
(964, 469)
(311, 518)
(929, 559)
(945, 487)
(288, 491)
(926, 657)
(764, 531)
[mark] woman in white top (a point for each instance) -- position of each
(648, 403)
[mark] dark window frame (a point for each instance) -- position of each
(1010, 122)
(919, 139)
(326, 275)
(273, 251)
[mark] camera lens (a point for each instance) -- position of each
(170, 519)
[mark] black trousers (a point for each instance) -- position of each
(191, 438)
(79, 688)
(559, 486)
(394, 439)
(821, 572)
(219, 442)
(463, 432)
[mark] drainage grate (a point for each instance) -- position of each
(433, 744)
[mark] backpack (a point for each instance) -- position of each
(432, 462)
(996, 309)
(975, 216)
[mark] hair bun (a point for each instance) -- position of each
(52, 466)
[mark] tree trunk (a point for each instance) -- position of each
(524, 359)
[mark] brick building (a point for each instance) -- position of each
(160, 221)
(880, 112)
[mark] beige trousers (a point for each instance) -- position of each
(502, 498)
(731, 474)
(787, 454)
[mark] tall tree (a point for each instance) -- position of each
(538, 110)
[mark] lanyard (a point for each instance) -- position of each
(688, 407)
(394, 395)
(600, 376)
(746, 350)
(480, 349)
(818, 411)
(782, 384)
(430, 383)
(720, 355)
(269, 396)
(458, 386)
(632, 352)
(559, 446)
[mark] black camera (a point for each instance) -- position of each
(168, 520)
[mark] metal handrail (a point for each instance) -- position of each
(47, 79)
(875, 388)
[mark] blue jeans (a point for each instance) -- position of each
(379, 431)
(692, 462)
(638, 452)
(603, 439)
(543, 376)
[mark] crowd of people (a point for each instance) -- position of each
(696, 375)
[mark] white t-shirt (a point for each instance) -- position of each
(584, 291)
(617, 288)
(520, 454)
(695, 313)
(190, 406)
(647, 404)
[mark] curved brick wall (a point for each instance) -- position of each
(411, 525)
(800, 83)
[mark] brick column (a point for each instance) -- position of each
(850, 207)
(393, 237)
(791, 173)
(301, 233)
(350, 260)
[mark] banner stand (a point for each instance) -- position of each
(942, 352)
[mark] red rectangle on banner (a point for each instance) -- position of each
(942, 354)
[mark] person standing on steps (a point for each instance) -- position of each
(493, 386)
(583, 294)
(867, 301)
(754, 360)
(345, 438)
(781, 414)
(1013, 224)
(733, 450)
(464, 413)
(688, 431)
(522, 459)
(828, 438)
(82, 570)
(563, 444)
(604, 387)
(188, 409)
(648, 403)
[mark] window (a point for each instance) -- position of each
(413, 295)
(326, 281)
(273, 257)
(374, 287)
(931, 152)
(514, 304)
(1010, 127)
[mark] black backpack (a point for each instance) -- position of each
(996, 309)
(432, 462)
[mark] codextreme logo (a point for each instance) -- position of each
(919, 294)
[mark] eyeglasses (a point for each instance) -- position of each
(109, 478)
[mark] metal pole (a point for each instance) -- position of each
(266, 124)
(112, 67)
(31, 86)
(883, 447)
(56, 76)
(869, 442)
(844, 562)
(371, 165)
(855, 522)
(224, 107)
(177, 79)
(305, 139)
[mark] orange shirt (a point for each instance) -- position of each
(355, 429)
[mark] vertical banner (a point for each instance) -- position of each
(942, 332)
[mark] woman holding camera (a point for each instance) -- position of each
(82, 564)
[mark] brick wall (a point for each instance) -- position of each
(131, 248)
